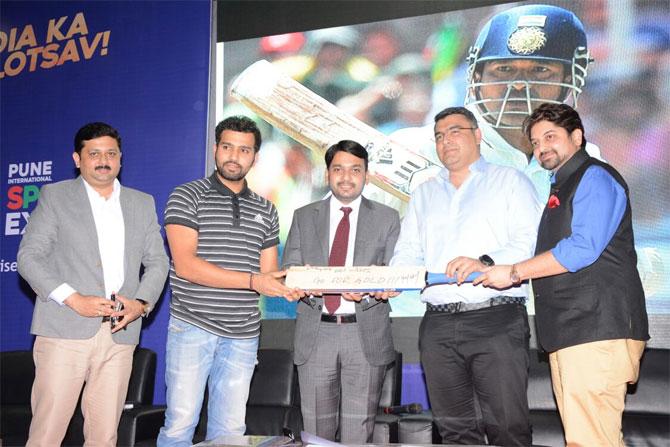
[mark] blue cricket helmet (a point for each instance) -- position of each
(529, 32)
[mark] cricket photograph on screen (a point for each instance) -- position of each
(381, 84)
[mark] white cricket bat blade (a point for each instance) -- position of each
(318, 124)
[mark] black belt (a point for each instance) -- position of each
(339, 319)
(454, 308)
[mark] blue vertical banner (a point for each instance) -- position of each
(142, 67)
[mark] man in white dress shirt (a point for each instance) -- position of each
(473, 341)
(88, 239)
(342, 346)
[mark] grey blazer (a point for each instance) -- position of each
(60, 245)
(308, 243)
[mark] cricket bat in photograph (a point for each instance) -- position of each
(317, 124)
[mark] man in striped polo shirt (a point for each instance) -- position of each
(223, 238)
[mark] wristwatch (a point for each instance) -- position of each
(146, 307)
(487, 260)
(514, 275)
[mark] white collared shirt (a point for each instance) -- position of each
(346, 307)
(495, 212)
(109, 226)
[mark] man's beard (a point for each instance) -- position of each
(552, 163)
(231, 177)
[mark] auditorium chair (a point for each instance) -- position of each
(646, 419)
(272, 406)
(274, 401)
(386, 425)
(17, 372)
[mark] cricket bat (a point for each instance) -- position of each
(366, 278)
(317, 124)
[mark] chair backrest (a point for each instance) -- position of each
(274, 379)
(651, 393)
(273, 390)
(142, 378)
(17, 373)
(540, 392)
(392, 386)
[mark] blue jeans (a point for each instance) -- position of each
(195, 358)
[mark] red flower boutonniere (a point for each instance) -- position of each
(553, 202)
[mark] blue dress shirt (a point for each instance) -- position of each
(597, 209)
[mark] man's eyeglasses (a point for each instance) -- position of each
(452, 132)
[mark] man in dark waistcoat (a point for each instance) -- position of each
(589, 302)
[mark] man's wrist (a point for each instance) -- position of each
(251, 281)
(487, 260)
(514, 276)
(69, 300)
(146, 307)
(61, 293)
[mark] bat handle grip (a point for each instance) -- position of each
(441, 278)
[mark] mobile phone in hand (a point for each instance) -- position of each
(118, 305)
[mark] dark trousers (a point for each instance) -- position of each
(483, 353)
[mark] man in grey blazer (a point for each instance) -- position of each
(342, 346)
(88, 239)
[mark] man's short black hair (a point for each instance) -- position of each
(460, 110)
(348, 146)
(239, 124)
(561, 115)
(95, 130)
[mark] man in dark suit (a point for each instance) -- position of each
(87, 239)
(342, 346)
(589, 302)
